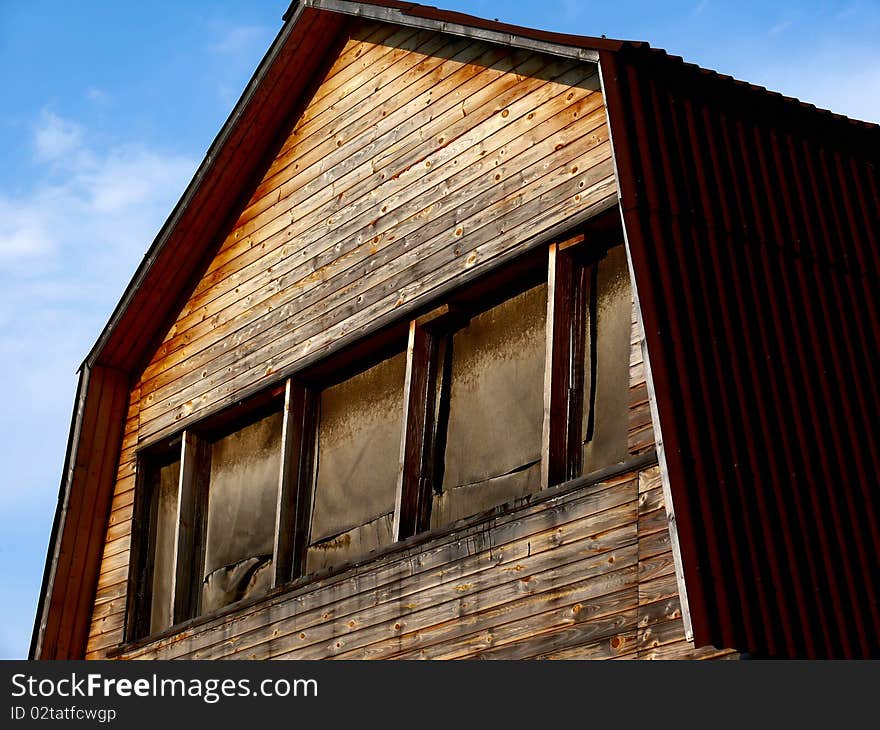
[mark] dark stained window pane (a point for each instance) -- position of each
(493, 438)
(242, 497)
(358, 459)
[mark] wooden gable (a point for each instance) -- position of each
(419, 159)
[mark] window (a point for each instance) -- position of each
(489, 371)
(208, 499)
(242, 499)
(161, 482)
(358, 448)
(589, 345)
(512, 384)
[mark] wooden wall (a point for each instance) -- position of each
(583, 573)
(420, 157)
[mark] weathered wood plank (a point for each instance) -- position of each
(267, 354)
(653, 521)
(532, 531)
(620, 646)
(654, 544)
(584, 602)
(662, 632)
(417, 591)
(453, 167)
(650, 500)
(657, 589)
(541, 574)
(601, 630)
(685, 650)
(656, 566)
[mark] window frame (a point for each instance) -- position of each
(567, 265)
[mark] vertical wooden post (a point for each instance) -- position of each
(568, 316)
(295, 483)
(556, 368)
(415, 422)
(417, 469)
(192, 517)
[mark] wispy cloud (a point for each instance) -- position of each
(236, 49)
(56, 137)
(780, 27)
(241, 40)
(88, 200)
(98, 96)
(68, 245)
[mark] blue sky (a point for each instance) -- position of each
(110, 106)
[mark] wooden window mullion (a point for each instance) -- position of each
(192, 513)
(569, 375)
(417, 414)
(420, 451)
(557, 366)
(296, 482)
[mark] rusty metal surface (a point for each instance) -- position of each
(439, 15)
(350, 545)
(753, 226)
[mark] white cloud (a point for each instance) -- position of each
(68, 246)
(22, 234)
(56, 137)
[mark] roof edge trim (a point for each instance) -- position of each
(399, 16)
(54, 545)
(201, 172)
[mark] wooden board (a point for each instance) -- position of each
(558, 579)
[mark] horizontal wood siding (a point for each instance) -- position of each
(420, 157)
(585, 574)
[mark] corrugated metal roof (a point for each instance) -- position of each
(753, 225)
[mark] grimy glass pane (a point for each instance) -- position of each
(614, 319)
(496, 408)
(166, 482)
(242, 496)
(358, 458)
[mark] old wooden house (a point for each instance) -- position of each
(470, 340)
